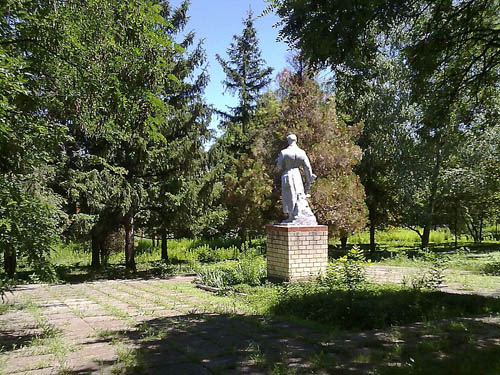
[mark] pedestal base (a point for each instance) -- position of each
(296, 252)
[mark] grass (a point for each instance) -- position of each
(444, 348)
(334, 310)
(72, 261)
(474, 282)
(394, 242)
(48, 340)
(403, 236)
(444, 343)
(478, 260)
(129, 361)
(181, 250)
(374, 306)
(396, 246)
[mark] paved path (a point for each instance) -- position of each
(109, 327)
(393, 274)
(149, 327)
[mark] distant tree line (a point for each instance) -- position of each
(104, 124)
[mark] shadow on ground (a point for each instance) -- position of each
(214, 344)
(230, 344)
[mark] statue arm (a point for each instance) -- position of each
(310, 176)
(279, 163)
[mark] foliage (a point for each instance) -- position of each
(92, 63)
(471, 183)
(305, 109)
(448, 71)
(395, 236)
(31, 212)
(246, 183)
(247, 189)
(206, 254)
(246, 73)
(247, 270)
(375, 306)
(492, 268)
(31, 222)
(433, 277)
(347, 272)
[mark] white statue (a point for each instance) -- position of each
(293, 194)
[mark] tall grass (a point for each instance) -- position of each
(403, 236)
(70, 254)
(179, 250)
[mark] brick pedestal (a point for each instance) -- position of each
(296, 252)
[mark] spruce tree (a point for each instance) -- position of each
(31, 215)
(113, 75)
(246, 185)
(246, 73)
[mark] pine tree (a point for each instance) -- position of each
(246, 73)
(246, 185)
(114, 77)
(31, 215)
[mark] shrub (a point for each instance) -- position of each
(164, 269)
(248, 270)
(347, 272)
(206, 254)
(143, 247)
(375, 306)
(433, 276)
(492, 269)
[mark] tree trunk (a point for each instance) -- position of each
(10, 263)
(164, 245)
(432, 199)
(96, 250)
(343, 242)
(456, 226)
(426, 235)
(129, 242)
(243, 236)
(481, 228)
(373, 244)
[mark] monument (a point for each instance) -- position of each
(297, 248)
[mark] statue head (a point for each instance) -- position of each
(291, 139)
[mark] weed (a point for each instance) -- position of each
(3, 363)
(362, 358)
(151, 333)
(282, 369)
(430, 278)
(321, 360)
(256, 355)
(129, 360)
(5, 307)
(106, 334)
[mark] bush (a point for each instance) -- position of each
(143, 247)
(374, 306)
(492, 269)
(433, 276)
(248, 270)
(206, 254)
(166, 269)
(347, 272)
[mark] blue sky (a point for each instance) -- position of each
(216, 21)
